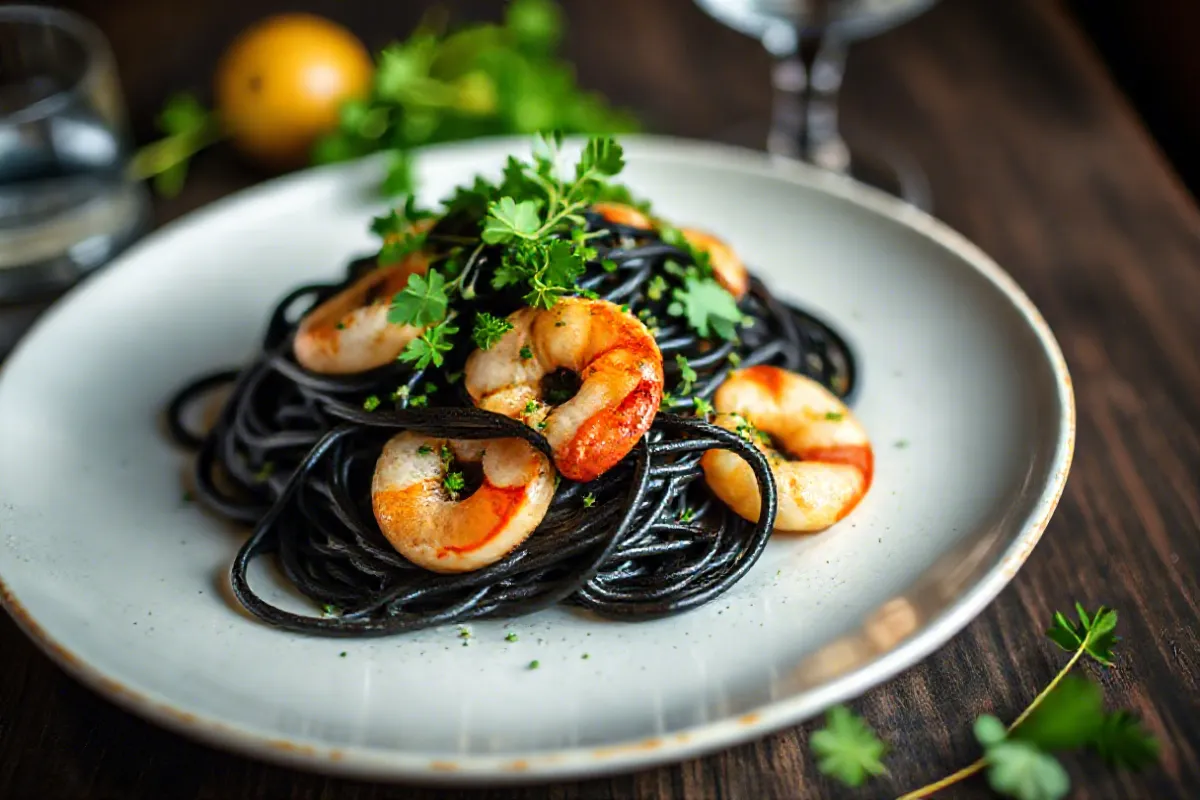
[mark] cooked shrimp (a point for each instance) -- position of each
(431, 528)
(619, 367)
(824, 462)
(621, 214)
(728, 268)
(350, 331)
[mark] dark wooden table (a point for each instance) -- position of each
(1034, 155)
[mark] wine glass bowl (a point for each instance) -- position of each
(809, 40)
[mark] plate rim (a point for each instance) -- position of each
(380, 763)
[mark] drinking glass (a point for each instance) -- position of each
(809, 41)
(66, 205)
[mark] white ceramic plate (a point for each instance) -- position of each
(965, 394)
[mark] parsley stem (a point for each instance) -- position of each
(976, 766)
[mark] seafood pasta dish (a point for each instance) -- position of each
(539, 392)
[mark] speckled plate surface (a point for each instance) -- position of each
(965, 394)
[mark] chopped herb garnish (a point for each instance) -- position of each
(530, 406)
(341, 326)
(707, 306)
(454, 483)
(688, 515)
(418, 401)
(371, 403)
(656, 288)
(687, 375)
(560, 324)
(585, 656)
(526, 353)
(834, 416)
(265, 471)
(734, 359)
(589, 500)
(464, 633)
(489, 329)
(401, 391)
(430, 387)
(511, 637)
(534, 664)
(703, 408)
(330, 610)
(424, 450)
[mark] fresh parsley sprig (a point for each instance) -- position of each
(1019, 758)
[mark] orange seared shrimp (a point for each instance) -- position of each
(621, 214)
(728, 268)
(822, 459)
(350, 331)
(431, 528)
(619, 368)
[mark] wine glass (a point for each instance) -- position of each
(809, 40)
(66, 203)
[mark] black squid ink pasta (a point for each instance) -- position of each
(292, 452)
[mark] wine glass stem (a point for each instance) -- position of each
(804, 124)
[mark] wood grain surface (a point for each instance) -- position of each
(1034, 155)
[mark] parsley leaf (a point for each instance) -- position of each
(1122, 741)
(602, 155)
(428, 348)
(1094, 634)
(589, 500)
(489, 329)
(847, 748)
(1019, 769)
(421, 302)
(703, 408)
(508, 219)
(563, 265)
(706, 304)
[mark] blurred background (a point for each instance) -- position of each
(758, 73)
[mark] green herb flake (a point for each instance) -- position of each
(424, 450)
(454, 483)
(704, 409)
(589, 500)
(834, 416)
(511, 637)
(489, 330)
(526, 353)
(371, 403)
(534, 664)
(847, 749)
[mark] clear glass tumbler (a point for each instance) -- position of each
(66, 204)
(809, 41)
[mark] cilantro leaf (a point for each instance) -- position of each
(563, 265)
(706, 304)
(1122, 741)
(1021, 771)
(508, 219)
(428, 348)
(847, 749)
(489, 329)
(1094, 634)
(1069, 717)
(602, 155)
(421, 302)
